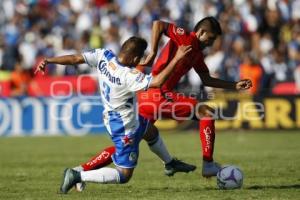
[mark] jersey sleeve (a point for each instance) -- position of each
(178, 35)
(200, 66)
(136, 80)
(91, 57)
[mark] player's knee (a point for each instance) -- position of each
(205, 111)
(125, 175)
(124, 179)
(151, 133)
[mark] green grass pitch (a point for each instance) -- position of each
(31, 167)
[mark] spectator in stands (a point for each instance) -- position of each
(279, 65)
(297, 79)
(232, 60)
(20, 79)
(68, 48)
(250, 68)
(249, 26)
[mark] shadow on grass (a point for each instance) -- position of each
(254, 187)
(262, 187)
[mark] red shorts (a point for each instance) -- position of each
(154, 105)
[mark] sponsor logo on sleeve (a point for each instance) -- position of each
(134, 71)
(140, 78)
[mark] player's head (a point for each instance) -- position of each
(132, 50)
(207, 30)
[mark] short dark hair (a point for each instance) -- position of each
(213, 23)
(134, 46)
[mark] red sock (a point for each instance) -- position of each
(100, 160)
(207, 136)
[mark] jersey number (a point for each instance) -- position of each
(106, 91)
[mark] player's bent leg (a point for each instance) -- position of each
(103, 175)
(125, 158)
(205, 115)
(157, 146)
(106, 175)
(125, 174)
(100, 160)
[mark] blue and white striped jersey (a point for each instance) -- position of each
(118, 85)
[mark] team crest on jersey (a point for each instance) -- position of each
(132, 156)
(180, 31)
(112, 66)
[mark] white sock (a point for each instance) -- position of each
(102, 175)
(78, 168)
(158, 147)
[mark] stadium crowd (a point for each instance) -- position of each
(260, 41)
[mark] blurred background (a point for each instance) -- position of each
(260, 41)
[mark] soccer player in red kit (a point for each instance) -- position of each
(165, 102)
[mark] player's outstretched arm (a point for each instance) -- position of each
(62, 60)
(158, 28)
(218, 83)
(160, 78)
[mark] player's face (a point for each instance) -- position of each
(206, 38)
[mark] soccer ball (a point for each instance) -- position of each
(230, 177)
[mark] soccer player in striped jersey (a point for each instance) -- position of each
(118, 83)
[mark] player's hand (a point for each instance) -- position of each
(149, 59)
(244, 84)
(183, 51)
(41, 67)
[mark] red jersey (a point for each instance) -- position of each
(195, 59)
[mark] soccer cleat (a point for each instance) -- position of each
(79, 187)
(178, 166)
(210, 169)
(70, 178)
